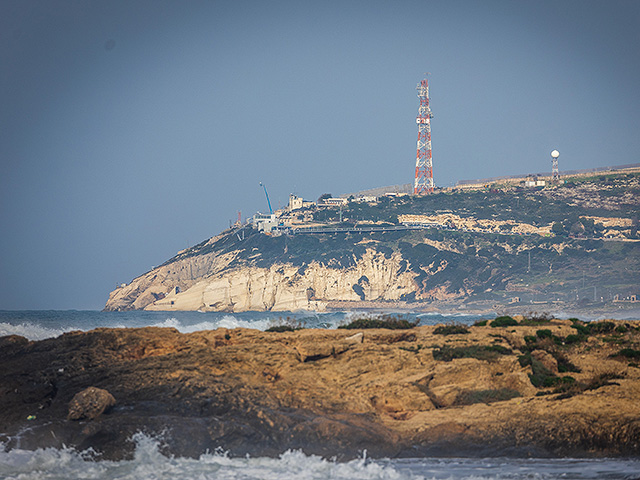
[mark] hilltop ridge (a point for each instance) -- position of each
(570, 244)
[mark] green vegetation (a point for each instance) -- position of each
(571, 388)
(627, 353)
(281, 328)
(504, 321)
(541, 376)
(454, 329)
(386, 321)
(447, 353)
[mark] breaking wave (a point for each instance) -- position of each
(228, 321)
(149, 463)
(31, 331)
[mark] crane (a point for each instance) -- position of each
(267, 195)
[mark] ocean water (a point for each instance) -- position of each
(149, 463)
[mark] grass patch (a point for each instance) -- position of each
(455, 329)
(469, 397)
(479, 352)
(386, 321)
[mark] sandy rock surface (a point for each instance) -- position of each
(329, 392)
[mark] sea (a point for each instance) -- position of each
(149, 463)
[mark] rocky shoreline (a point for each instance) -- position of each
(533, 388)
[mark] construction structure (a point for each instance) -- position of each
(423, 183)
(555, 173)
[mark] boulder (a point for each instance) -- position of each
(90, 403)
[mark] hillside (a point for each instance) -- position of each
(573, 244)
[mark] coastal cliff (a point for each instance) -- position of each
(534, 387)
(209, 283)
(570, 245)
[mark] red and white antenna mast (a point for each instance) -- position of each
(424, 168)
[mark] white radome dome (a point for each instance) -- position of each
(555, 154)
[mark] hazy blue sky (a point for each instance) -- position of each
(132, 129)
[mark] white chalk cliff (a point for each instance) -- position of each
(215, 282)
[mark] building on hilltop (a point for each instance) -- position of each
(296, 203)
(333, 202)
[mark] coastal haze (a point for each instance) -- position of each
(132, 130)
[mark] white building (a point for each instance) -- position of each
(265, 223)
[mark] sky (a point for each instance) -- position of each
(132, 129)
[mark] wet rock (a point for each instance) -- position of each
(90, 403)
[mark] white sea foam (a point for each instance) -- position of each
(31, 331)
(149, 463)
(228, 321)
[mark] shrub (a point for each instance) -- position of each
(481, 323)
(564, 364)
(386, 321)
(572, 339)
(454, 329)
(479, 352)
(504, 321)
(601, 327)
(540, 376)
(280, 328)
(629, 353)
(581, 328)
(570, 388)
(544, 334)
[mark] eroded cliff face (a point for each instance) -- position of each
(211, 283)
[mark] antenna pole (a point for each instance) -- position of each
(423, 183)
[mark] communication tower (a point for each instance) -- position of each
(423, 183)
(555, 173)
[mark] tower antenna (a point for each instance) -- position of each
(423, 183)
(555, 173)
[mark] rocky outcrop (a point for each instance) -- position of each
(328, 392)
